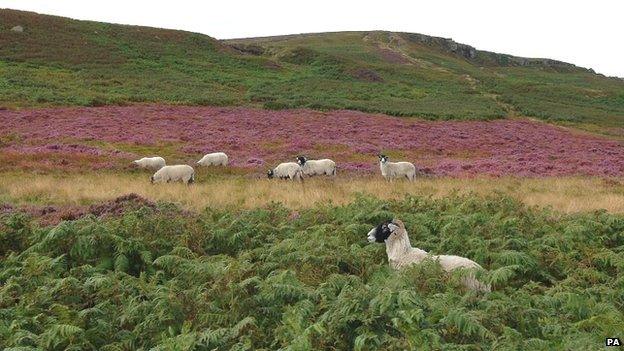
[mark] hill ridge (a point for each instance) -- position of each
(57, 61)
(464, 50)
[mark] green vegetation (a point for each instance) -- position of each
(268, 278)
(58, 61)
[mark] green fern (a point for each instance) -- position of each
(256, 279)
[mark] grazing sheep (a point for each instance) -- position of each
(286, 170)
(167, 174)
(214, 159)
(392, 170)
(317, 167)
(401, 253)
(155, 162)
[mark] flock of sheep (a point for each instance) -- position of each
(393, 233)
(286, 170)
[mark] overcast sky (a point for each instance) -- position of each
(586, 33)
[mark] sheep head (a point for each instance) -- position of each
(383, 158)
(270, 173)
(301, 160)
(387, 231)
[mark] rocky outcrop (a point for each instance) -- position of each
(485, 57)
(446, 44)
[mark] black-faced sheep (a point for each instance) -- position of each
(401, 253)
(286, 170)
(392, 170)
(317, 167)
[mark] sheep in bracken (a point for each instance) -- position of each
(155, 162)
(214, 159)
(392, 170)
(167, 174)
(317, 167)
(286, 170)
(401, 253)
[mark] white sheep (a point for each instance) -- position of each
(286, 170)
(155, 162)
(167, 174)
(214, 159)
(392, 170)
(317, 167)
(401, 253)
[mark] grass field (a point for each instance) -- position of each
(565, 195)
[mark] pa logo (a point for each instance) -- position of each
(613, 342)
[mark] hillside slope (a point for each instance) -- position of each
(62, 62)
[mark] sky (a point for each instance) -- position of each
(585, 33)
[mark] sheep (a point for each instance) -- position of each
(183, 173)
(286, 170)
(391, 170)
(317, 167)
(155, 162)
(402, 254)
(214, 159)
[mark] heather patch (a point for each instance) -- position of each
(254, 138)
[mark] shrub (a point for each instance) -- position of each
(163, 279)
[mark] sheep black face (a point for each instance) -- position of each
(301, 160)
(270, 174)
(383, 158)
(381, 232)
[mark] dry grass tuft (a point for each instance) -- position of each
(567, 195)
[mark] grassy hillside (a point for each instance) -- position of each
(459, 83)
(59, 61)
(265, 279)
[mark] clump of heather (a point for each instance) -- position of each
(255, 138)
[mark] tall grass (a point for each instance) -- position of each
(567, 195)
